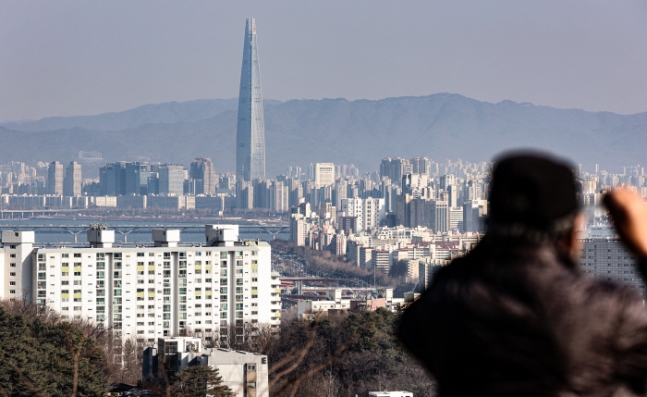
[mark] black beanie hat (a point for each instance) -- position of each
(531, 189)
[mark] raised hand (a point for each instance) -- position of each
(629, 214)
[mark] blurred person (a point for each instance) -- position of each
(516, 316)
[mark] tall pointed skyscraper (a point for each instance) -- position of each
(250, 136)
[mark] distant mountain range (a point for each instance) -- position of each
(361, 132)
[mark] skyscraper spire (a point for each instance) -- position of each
(250, 136)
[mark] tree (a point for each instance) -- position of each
(343, 355)
(48, 358)
(198, 381)
(399, 269)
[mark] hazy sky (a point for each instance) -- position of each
(60, 58)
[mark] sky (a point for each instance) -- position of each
(67, 58)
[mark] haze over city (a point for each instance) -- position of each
(69, 58)
(172, 224)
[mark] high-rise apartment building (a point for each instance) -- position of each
(147, 291)
(324, 174)
(55, 177)
(395, 169)
(72, 180)
(203, 176)
(250, 134)
(421, 165)
(298, 229)
(609, 260)
(446, 181)
(474, 213)
(369, 212)
(244, 195)
(279, 197)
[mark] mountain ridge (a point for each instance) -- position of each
(362, 132)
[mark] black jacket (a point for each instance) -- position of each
(523, 321)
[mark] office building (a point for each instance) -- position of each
(381, 261)
(136, 178)
(250, 134)
(171, 180)
(112, 179)
(55, 177)
(72, 180)
(324, 174)
(164, 289)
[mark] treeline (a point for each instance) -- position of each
(340, 355)
(343, 355)
(43, 356)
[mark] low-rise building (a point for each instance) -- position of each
(390, 394)
(246, 374)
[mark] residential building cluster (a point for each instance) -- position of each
(147, 291)
(334, 302)
(415, 192)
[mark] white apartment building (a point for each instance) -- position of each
(147, 291)
(608, 259)
(324, 174)
(369, 212)
(298, 230)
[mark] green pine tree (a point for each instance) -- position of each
(199, 381)
(48, 359)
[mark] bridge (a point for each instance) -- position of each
(23, 214)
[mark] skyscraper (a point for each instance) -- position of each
(72, 180)
(171, 180)
(55, 176)
(250, 135)
(203, 175)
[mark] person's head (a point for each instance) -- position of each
(533, 199)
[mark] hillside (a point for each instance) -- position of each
(361, 132)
